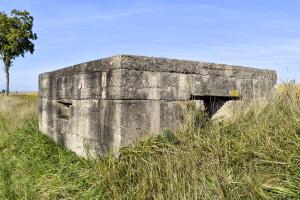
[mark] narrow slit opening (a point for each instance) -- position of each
(64, 109)
(213, 103)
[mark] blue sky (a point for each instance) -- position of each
(256, 33)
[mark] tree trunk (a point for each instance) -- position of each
(7, 81)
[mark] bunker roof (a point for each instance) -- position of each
(159, 64)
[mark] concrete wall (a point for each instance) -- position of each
(103, 105)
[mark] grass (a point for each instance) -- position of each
(254, 155)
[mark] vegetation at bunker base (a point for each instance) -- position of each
(254, 155)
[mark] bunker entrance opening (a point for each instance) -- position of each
(213, 103)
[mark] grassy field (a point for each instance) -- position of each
(255, 155)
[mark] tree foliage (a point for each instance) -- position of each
(16, 37)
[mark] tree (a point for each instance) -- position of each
(16, 38)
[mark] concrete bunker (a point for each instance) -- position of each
(103, 105)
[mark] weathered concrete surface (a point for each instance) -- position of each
(103, 105)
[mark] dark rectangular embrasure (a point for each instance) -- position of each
(213, 103)
(63, 111)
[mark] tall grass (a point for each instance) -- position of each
(254, 155)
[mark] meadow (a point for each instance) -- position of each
(253, 155)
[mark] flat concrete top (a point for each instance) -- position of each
(176, 64)
(156, 64)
